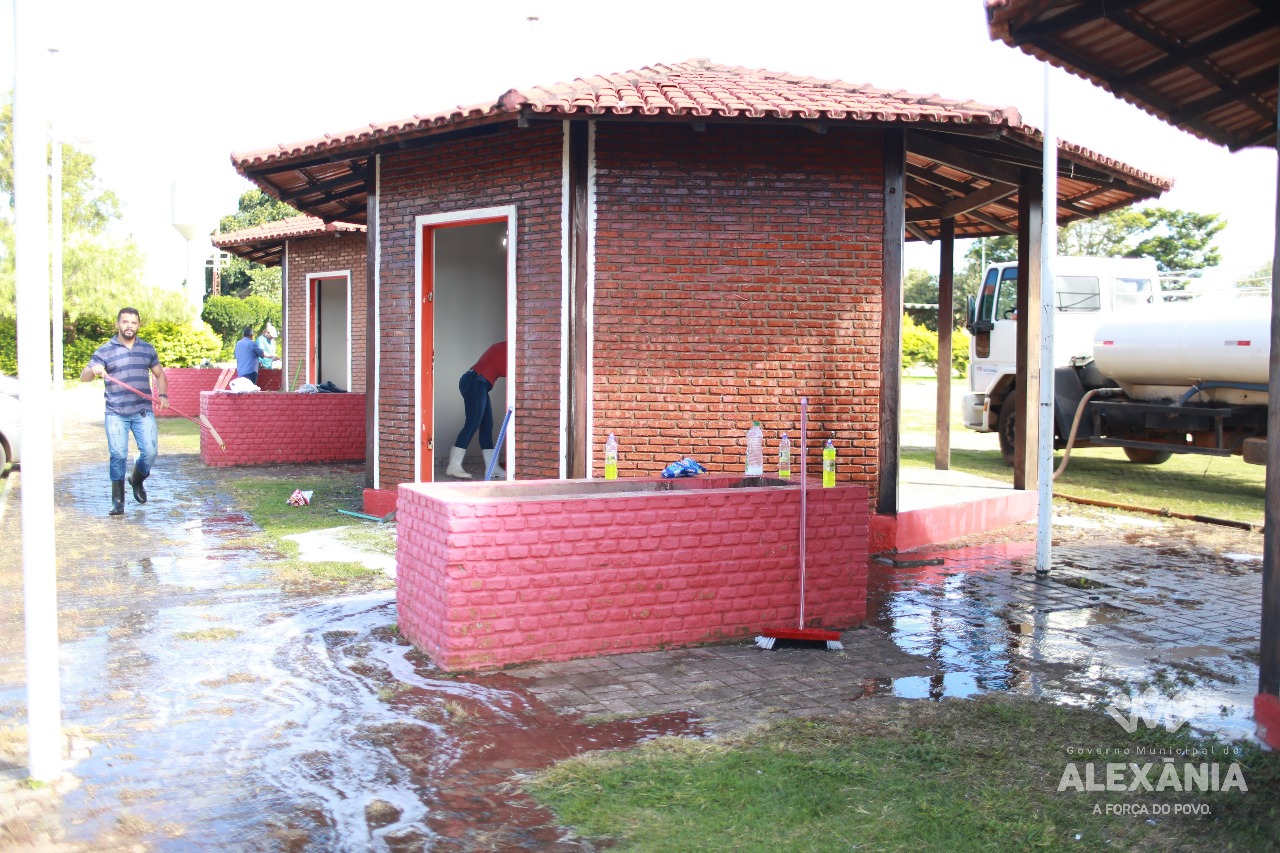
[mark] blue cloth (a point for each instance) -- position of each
(131, 366)
(247, 355)
(143, 427)
(268, 347)
(475, 389)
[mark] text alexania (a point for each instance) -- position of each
(1131, 776)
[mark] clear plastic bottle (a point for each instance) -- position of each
(755, 450)
(611, 458)
(828, 464)
(784, 458)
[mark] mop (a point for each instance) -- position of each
(202, 420)
(802, 637)
(497, 446)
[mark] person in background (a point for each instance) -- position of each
(247, 355)
(267, 343)
(131, 360)
(475, 386)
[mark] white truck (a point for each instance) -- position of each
(1158, 378)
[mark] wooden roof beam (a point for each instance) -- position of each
(1248, 87)
(356, 175)
(1185, 55)
(1082, 14)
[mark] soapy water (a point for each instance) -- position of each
(1078, 636)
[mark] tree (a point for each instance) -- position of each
(1107, 236)
(254, 208)
(100, 272)
(1180, 239)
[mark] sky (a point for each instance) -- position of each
(162, 91)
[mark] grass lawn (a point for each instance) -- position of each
(264, 497)
(1216, 486)
(960, 775)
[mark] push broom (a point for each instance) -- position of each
(802, 637)
(202, 420)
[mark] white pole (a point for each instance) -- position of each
(1049, 248)
(55, 250)
(39, 556)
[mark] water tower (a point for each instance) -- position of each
(194, 219)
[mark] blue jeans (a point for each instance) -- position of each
(143, 427)
(475, 389)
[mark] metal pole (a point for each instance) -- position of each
(804, 496)
(1269, 641)
(1048, 248)
(39, 556)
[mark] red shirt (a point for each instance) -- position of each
(493, 364)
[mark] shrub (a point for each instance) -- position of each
(8, 346)
(919, 345)
(181, 345)
(75, 355)
(228, 315)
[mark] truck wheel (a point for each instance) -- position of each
(1146, 456)
(1005, 426)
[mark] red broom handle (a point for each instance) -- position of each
(202, 420)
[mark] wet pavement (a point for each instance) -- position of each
(214, 706)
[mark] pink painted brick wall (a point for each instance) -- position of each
(501, 574)
(186, 383)
(268, 428)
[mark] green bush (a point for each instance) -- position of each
(228, 315)
(960, 352)
(919, 345)
(181, 345)
(8, 346)
(75, 355)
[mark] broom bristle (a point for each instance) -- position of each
(765, 642)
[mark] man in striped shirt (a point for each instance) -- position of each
(128, 359)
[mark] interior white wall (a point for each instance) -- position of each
(470, 314)
(334, 344)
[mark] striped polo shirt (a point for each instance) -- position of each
(132, 367)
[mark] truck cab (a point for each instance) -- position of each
(1086, 291)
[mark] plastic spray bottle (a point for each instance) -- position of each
(755, 450)
(784, 458)
(611, 458)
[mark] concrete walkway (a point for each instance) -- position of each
(214, 706)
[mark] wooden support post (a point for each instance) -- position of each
(946, 300)
(1027, 377)
(1269, 643)
(578, 442)
(895, 223)
(372, 345)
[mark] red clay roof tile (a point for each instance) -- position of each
(282, 229)
(697, 88)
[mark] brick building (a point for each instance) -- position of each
(325, 296)
(670, 253)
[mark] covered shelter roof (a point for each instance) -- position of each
(264, 244)
(964, 159)
(1208, 68)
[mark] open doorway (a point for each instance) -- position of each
(466, 305)
(329, 329)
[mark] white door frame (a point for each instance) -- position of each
(461, 217)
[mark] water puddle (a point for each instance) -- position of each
(227, 711)
(1094, 631)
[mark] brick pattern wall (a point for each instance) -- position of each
(341, 250)
(186, 383)
(543, 575)
(736, 271)
(512, 166)
(270, 428)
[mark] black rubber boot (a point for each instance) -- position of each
(117, 497)
(135, 480)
